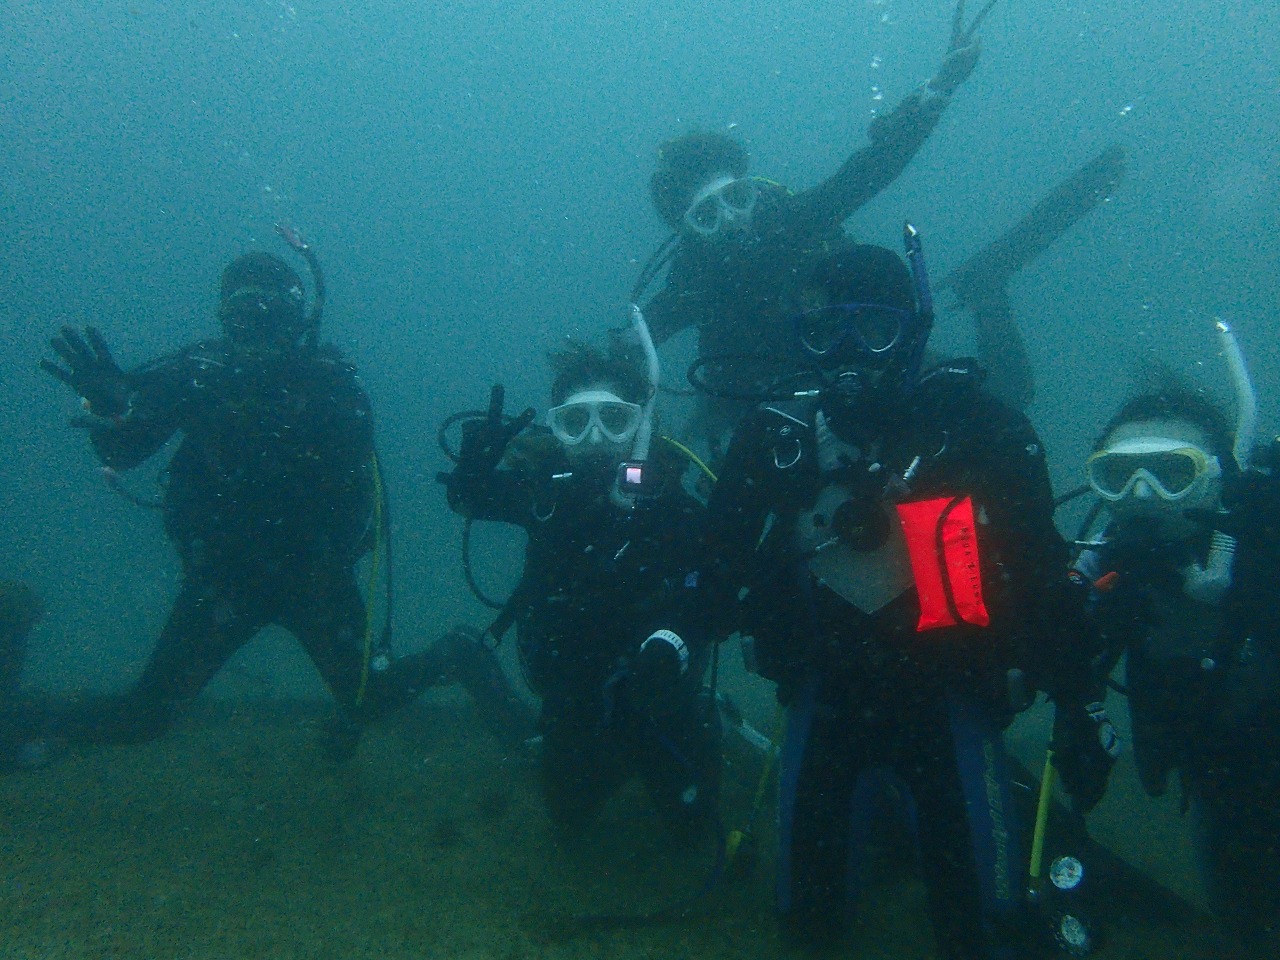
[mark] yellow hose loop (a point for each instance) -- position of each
(693, 457)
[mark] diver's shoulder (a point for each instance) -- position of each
(954, 394)
(181, 365)
(329, 365)
(331, 355)
(958, 387)
(953, 377)
(787, 413)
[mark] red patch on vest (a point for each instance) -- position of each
(942, 541)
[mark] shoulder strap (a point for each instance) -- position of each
(960, 373)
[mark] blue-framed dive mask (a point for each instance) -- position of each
(861, 334)
(259, 315)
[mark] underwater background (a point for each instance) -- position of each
(473, 175)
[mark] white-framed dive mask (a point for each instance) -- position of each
(724, 203)
(595, 417)
(1143, 468)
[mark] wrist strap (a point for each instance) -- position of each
(681, 648)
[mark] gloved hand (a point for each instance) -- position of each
(484, 440)
(962, 52)
(955, 68)
(656, 672)
(1085, 748)
(93, 374)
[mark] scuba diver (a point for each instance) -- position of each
(1183, 586)
(740, 241)
(270, 499)
(888, 530)
(609, 634)
(20, 610)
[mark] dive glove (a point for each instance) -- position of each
(962, 51)
(485, 439)
(91, 372)
(1085, 748)
(955, 68)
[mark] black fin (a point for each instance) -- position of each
(1034, 233)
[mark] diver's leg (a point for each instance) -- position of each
(818, 771)
(679, 757)
(327, 615)
(1158, 724)
(19, 611)
(19, 722)
(1237, 817)
(209, 622)
(580, 764)
(462, 656)
(970, 843)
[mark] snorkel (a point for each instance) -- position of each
(1242, 386)
(924, 302)
(1208, 583)
(300, 246)
(630, 480)
(644, 436)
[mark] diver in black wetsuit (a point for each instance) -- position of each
(1184, 581)
(269, 499)
(741, 242)
(608, 631)
(891, 530)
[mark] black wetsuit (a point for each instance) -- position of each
(269, 502)
(598, 580)
(1204, 697)
(741, 292)
(874, 695)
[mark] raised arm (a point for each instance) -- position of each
(893, 138)
(1001, 349)
(981, 283)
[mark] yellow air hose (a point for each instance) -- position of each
(1042, 822)
(693, 457)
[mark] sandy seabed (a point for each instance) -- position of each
(233, 837)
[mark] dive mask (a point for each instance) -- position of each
(725, 202)
(255, 314)
(866, 333)
(1173, 469)
(595, 415)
